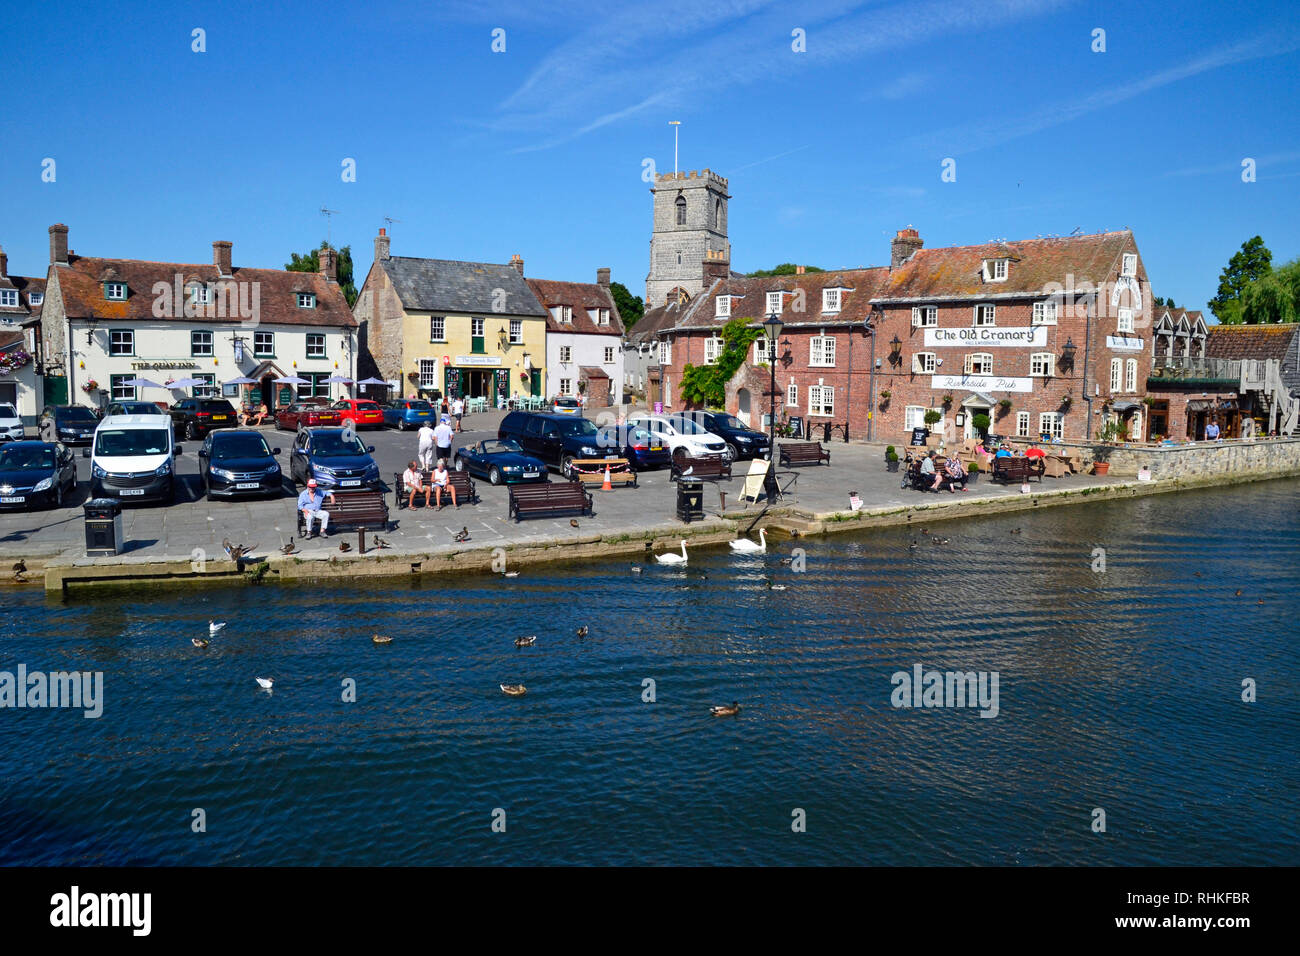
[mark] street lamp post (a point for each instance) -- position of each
(773, 327)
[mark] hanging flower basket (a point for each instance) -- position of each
(90, 386)
(12, 361)
(523, 377)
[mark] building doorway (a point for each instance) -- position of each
(742, 406)
(977, 404)
(535, 382)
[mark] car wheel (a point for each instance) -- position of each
(58, 496)
(401, 424)
(191, 432)
(566, 467)
(460, 464)
(679, 454)
(494, 475)
(349, 423)
(732, 454)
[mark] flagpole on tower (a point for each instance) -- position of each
(674, 124)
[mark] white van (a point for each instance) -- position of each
(11, 425)
(133, 457)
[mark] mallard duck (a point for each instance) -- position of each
(573, 522)
(746, 546)
(582, 631)
(776, 587)
(636, 569)
(264, 682)
(288, 548)
(235, 551)
(528, 641)
(20, 568)
(671, 558)
(344, 547)
(214, 626)
(514, 690)
(381, 639)
(199, 641)
(510, 574)
(462, 534)
(718, 710)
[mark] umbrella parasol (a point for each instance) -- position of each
(291, 380)
(241, 381)
(142, 383)
(185, 383)
(343, 379)
(372, 381)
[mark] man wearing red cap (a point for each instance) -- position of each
(309, 503)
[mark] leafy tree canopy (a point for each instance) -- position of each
(1167, 303)
(630, 307)
(1274, 297)
(1252, 262)
(784, 269)
(311, 263)
(707, 384)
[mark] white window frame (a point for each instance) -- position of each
(832, 300)
(566, 386)
(268, 350)
(36, 298)
(712, 349)
(924, 363)
(428, 369)
(665, 353)
(1124, 320)
(792, 395)
(315, 350)
(1045, 312)
(761, 350)
(516, 332)
(200, 294)
(1116, 374)
(1131, 375)
(566, 354)
(118, 392)
(996, 270)
(979, 363)
(116, 291)
(821, 351)
(722, 307)
(1042, 364)
(821, 401)
(437, 328)
(986, 314)
(126, 341)
(1129, 264)
(925, 316)
(477, 327)
(604, 316)
(1051, 423)
(775, 303)
(609, 355)
(914, 417)
(306, 300)
(1022, 424)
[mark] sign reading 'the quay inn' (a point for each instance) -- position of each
(990, 336)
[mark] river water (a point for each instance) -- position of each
(1118, 691)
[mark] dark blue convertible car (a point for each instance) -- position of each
(501, 462)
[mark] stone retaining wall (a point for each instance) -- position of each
(1277, 456)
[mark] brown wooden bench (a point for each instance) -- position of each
(552, 499)
(804, 453)
(462, 481)
(361, 510)
(591, 471)
(1017, 469)
(705, 467)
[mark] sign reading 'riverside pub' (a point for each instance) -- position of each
(982, 383)
(989, 336)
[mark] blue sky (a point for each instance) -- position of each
(539, 150)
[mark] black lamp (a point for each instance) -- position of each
(1067, 352)
(895, 350)
(773, 327)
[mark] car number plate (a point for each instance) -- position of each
(131, 491)
(12, 501)
(527, 474)
(656, 447)
(350, 482)
(248, 484)
(218, 418)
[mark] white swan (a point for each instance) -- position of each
(264, 682)
(671, 558)
(746, 546)
(213, 627)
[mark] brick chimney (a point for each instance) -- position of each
(717, 265)
(329, 264)
(798, 270)
(4, 264)
(904, 246)
(381, 244)
(221, 257)
(518, 262)
(602, 278)
(58, 244)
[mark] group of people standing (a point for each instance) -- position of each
(432, 454)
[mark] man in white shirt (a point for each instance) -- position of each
(443, 435)
(458, 409)
(412, 481)
(427, 440)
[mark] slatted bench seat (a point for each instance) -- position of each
(1017, 469)
(591, 471)
(357, 510)
(553, 499)
(462, 481)
(804, 453)
(705, 467)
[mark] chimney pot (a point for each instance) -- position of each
(798, 270)
(517, 261)
(221, 257)
(58, 244)
(329, 264)
(381, 244)
(906, 243)
(602, 277)
(4, 264)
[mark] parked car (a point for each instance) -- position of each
(11, 424)
(642, 449)
(70, 424)
(336, 462)
(36, 473)
(195, 417)
(557, 439)
(404, 413)
(239, 463)
(566, 406)
(306, 415)
(361, 412)
(742, 441)
(134, 408)
(682, 437)
(501, 462)
(133, 458)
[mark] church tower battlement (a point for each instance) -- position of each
(690, 226)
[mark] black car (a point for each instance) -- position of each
(500, 462)
(195, 417)
(235, 464)
(36, 473)
(134, 408)
(558, 439)
(335, 457)
(742, 441)
(69, 424)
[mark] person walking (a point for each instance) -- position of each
(427, 441)
(309, 503)
(458, 409)
(443, 436)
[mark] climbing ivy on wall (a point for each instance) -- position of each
(707, 384)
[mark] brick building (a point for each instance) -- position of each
(584, 336)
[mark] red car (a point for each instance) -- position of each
(361, 412)
(306, 415)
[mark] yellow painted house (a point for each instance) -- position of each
(472, 329)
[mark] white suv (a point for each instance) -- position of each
(11, 425)
(682, 436)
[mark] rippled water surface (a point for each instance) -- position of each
(1119, 690)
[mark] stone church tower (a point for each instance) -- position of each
(690, 226)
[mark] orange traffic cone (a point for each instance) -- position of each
(608, 485)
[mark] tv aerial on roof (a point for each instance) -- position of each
(327, 213)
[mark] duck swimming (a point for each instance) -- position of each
(719, 710)
(514, 690)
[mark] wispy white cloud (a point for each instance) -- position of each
(1262, 163)
(901, 87)
(768, 159)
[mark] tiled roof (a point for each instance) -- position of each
(81, 283)
(24, 309)
(958, 271)
(1250, 341)
(450, 285)
(750, 298)
(9, 339)
(658, 319)
(580, 296)
(593, 371)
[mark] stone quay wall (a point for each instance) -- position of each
(1258, 458)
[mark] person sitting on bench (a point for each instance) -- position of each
(442, 481)
(956, 474)
(261, 416)
(413, 483)
(928, 470)
(309, 503)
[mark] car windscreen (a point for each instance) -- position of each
(368, 406)
(687, 426)
(78, 413)
(576, 426)
(418, 406)
(26, 459)
(494, 447)
(7, 411)
(240, 446)
(335, 444)
(217, 405)
(114, 442)
(730, 421)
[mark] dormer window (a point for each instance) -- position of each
(604, 316)
(773, 303)
(115, 291)
(199, 294)
(722, 307)
(36, 298)
(1129, 266)
(8, 298)
(995, 270)
(831, 300)
(306, 300)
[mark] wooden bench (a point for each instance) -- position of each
(462, 481)
(1017, 469)
(360, 510)
(705, 467)
(591, 471)
(804, 453)
(553, 499)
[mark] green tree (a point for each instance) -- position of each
(707, 384)
(784, 269)
(1274, 297)
(1252, 262)
(1165, 302)
(311, 263)
(630, 307)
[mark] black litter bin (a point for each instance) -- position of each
(690, 500)
(103, 526)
